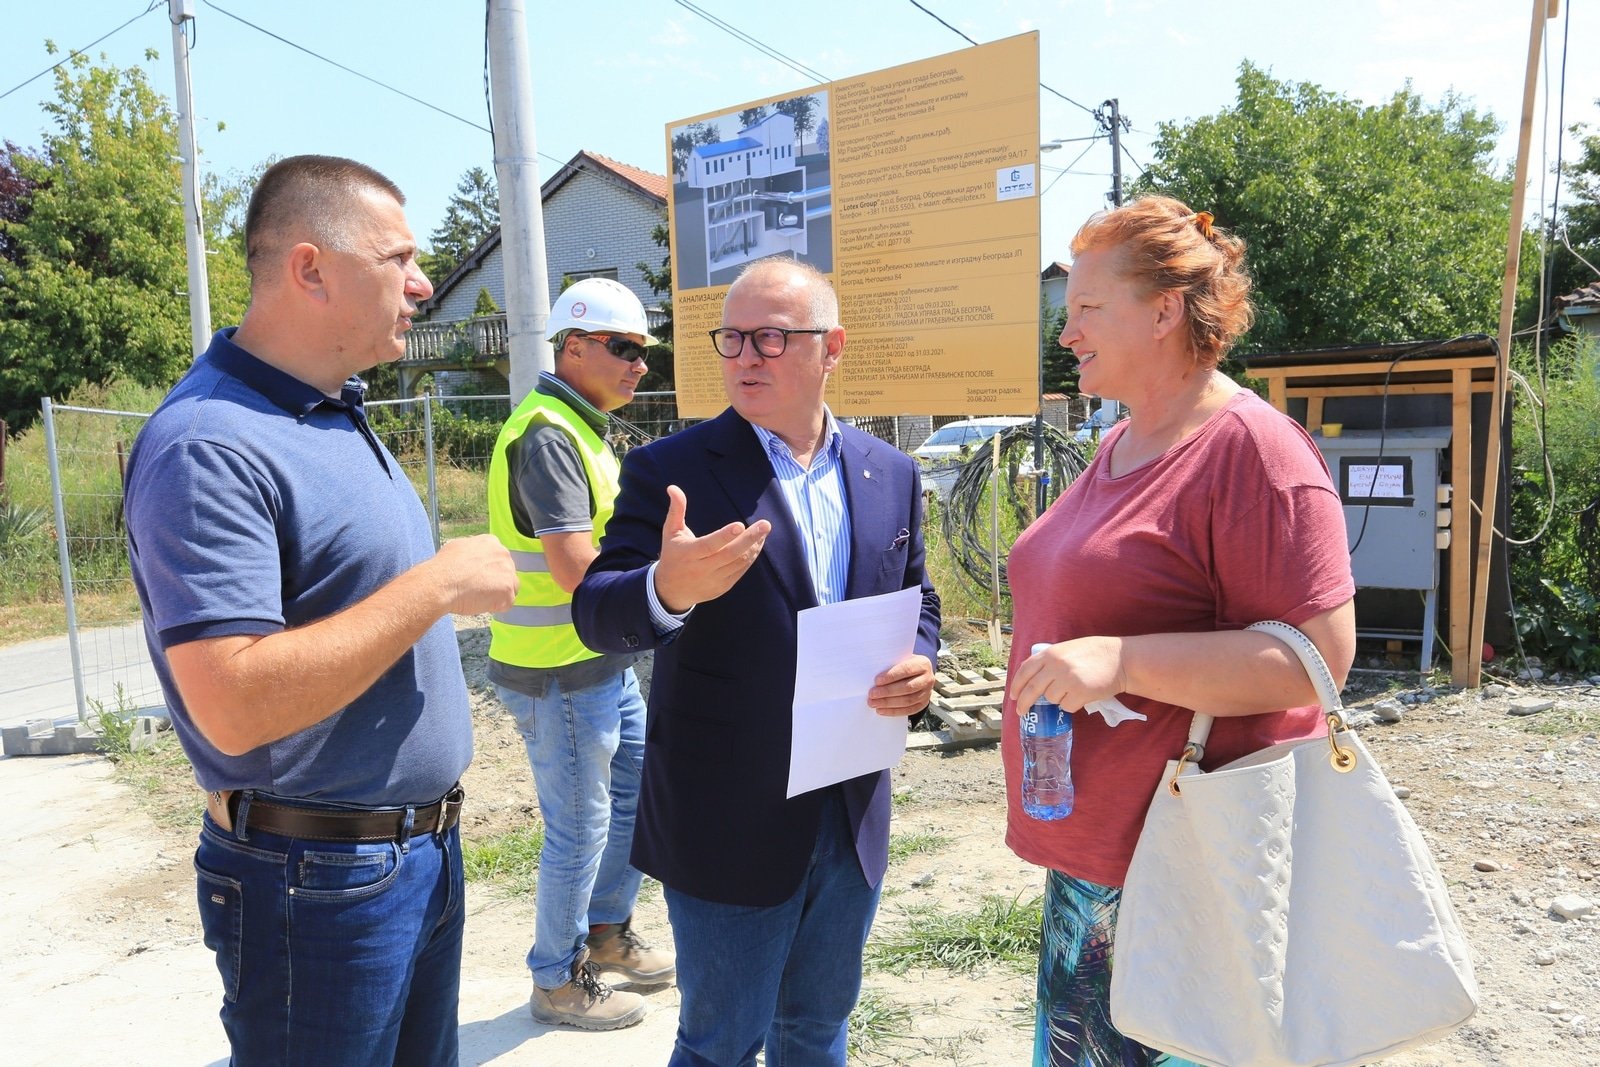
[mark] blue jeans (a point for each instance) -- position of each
(339, 953)
(586, 748)
(785, 976)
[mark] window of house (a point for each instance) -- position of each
(580, 275)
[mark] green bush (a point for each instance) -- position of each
(462, 440)
(1555, 485)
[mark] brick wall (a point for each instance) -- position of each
(460, 301)
(590, 212)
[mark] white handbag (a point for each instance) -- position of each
(1284, 911)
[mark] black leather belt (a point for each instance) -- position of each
(336, 824)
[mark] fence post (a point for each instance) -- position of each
(64, 555)
(433, 479)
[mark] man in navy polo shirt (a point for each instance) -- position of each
(298, 619)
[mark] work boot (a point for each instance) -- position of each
(586, 1002)
(615, 947)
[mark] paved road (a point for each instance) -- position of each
(36, 676)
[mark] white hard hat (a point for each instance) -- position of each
(596, 305)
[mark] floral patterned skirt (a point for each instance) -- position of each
(1073, 1017)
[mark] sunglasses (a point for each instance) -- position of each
(621, 347)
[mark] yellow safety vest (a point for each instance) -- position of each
(538, 630)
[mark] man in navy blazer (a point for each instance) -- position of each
(770, 899)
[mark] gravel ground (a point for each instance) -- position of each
(1504, 781)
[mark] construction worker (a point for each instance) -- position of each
(552, 481)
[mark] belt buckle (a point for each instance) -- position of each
(450, 809)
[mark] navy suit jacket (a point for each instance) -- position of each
(713, 820)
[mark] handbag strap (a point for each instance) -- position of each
(1316, 668)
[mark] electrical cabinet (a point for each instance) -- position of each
(1396, 513)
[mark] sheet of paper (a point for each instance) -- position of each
(842, 648)
(1378, 480)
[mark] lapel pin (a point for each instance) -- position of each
(866, 474)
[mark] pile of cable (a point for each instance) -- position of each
(965, 517)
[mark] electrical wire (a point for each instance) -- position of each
(1383, 417)
(488, 103)
(1544, 454)
(766, 49)
(347, 70)
(1566, 240)
(1068, 168)
(969, 40)
(80, 51)
(488, 95)
(962, 513)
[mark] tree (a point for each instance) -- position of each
(1060, 365)
(752, 115)
(686, 140)
(661, 376)
(96, 286)
(1363, 223)
(15, 193)
(803, 110)
(1580, 220)
(473, 214)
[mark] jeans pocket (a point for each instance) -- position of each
(222, 924)
(346, 876)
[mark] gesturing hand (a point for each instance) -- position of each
(696, 569)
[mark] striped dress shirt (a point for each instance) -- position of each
(817, 503)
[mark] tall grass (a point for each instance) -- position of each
(509, 860)
(1001, 931)
(92, 451)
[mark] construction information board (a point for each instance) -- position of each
(916, 190)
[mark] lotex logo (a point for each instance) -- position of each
(1014, 183)
(579, 309)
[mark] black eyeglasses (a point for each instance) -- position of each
(621, 347)
(770, 341)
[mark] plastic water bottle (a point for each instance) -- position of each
(1047, 791)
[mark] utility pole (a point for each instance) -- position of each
(516, 170)
(1471, 672)
(181, 13)
(1112, 121)
(1110, 118)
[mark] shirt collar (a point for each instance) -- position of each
(550, 385)
(281, 388)
(830, 432)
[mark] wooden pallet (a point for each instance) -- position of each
(966, 704)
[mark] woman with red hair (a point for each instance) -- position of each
(1204, 511)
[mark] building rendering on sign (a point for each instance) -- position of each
(754, 197)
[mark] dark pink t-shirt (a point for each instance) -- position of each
(1235, 524)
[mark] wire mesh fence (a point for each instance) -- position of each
(443, 444)
(87, 450)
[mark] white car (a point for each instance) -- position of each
(941, 454)
(1092, 427)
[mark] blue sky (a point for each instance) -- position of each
(610, 74)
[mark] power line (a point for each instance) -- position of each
(79, 51)
(1068, 168)
(347, 70)
(942, 22)
(970, 41)
(738, 34)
